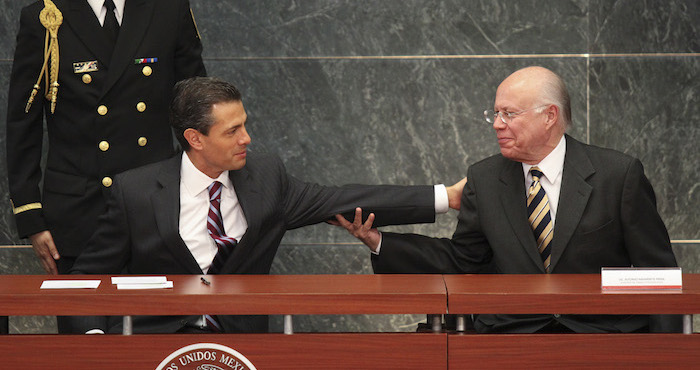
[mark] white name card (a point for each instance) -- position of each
(638, 278)
(70, 284)
(138, 279)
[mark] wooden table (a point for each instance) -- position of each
(231, 294)
(570, 294)
(354, 294)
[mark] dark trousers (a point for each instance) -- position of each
(64, 264)
(4, 325)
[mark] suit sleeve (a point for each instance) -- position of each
(25, 130)
(466, 252)
(188, 53)
(646, 238)
(307, 203)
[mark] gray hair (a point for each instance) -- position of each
(554, 91)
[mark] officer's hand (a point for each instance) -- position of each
(45, 249)
(363, 231)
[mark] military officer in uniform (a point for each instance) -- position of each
(104, 97)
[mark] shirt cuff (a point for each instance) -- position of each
(442, 203)
(376, 252)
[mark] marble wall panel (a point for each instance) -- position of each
(409, 121)
(648, 108)
(274, 28)
(688, 257)
(23, 261)
(633, 26)
(8, 234)
(9, 25)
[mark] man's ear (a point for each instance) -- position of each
(193, 137)
(552, 114)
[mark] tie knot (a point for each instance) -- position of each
(536, 173)
(214, 190)
(109, 4)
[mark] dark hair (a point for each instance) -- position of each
(193, 100)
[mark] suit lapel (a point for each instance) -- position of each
(250, 201)
(573, 197)
(514, 206)
(80, 18)
(166, 205)
(135, 22)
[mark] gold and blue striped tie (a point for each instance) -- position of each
(540, 217)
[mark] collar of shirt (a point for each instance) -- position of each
(100, 11)
(551, 166)
(195, 181)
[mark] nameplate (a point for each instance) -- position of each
(636, 278)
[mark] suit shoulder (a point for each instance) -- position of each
(256, 161)
(607, 157)
(490, 164)
(150, 170)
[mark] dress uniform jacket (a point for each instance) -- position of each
(111, 113)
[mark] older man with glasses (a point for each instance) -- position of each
(548, 204)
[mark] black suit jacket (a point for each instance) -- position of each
(606, 217)
(139, 233)
(76, 165)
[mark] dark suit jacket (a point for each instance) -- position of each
(139, 233)
(76, 166)
(606, 217)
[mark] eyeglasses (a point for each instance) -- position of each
(506, 117)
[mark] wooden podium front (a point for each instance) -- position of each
(350, 294)
(231, 294)
(569, 294)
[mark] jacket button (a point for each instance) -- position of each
(141, 106)
(107, 181)
(142, 141)
(104, 146)
(87, 78)
(147, 71)
(102, 110)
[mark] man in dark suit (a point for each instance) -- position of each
(110, 112)
(160, 221)
(596, 209)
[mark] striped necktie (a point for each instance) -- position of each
(540, 217)
(215, 227)
(224, 244)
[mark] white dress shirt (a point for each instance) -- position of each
(194, 208)
(552, 166)
(101, 11)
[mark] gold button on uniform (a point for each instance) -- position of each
(87, 78)
(107, 181)
(147, 71)
(104, 146)
(142, 141)
(141, 106)
(102, 110)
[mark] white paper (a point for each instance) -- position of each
(641, 278)
(138, 279)
(163, 285)
(70, 284)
